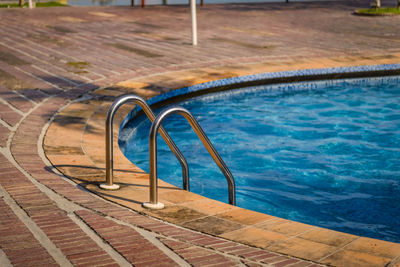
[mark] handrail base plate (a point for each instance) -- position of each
(109, 187)
(157, 206)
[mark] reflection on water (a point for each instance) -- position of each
(155, 2)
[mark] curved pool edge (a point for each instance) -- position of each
(193, 211)
(293, 76)
(381, 224)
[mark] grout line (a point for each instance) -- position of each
(23, 116)
(115, 255)
(225, 254)
(11, 106)
(309, 263)
(270, 220)
(152, 237)
(337, 250)
(60, 201)
(16, 126)
(8, 126)
(289, 237)
(40, 236)
(40, 79)
(29, 74)
(330, 254)
(36, 58)
(22, 95)
(233, 257)
(4, 261)
(56, 75)
(35, 104)
(394, 261)
(63, 203)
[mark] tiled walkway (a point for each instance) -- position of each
(52, 58)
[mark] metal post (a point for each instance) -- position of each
(194, 21)
(119, 101)
(154, 204)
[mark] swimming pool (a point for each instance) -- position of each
(324, 153)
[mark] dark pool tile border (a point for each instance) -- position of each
(286, 77)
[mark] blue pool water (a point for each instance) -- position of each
(322, 153)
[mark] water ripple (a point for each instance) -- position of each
(328, 156)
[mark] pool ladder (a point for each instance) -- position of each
(157, 127)
(118, 102)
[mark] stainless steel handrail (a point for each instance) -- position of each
(154, 204)
(119, 101)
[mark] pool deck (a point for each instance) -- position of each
(61, 68)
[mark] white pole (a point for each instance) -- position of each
(30, 4)
(194, 21)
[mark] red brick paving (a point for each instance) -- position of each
(15, 100)
(53, 221)
(7, 114)
(18, 243)
(128, 242)
(198, 256)
(4, 132)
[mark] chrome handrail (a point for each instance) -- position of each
(154, 204)
(118, 102)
